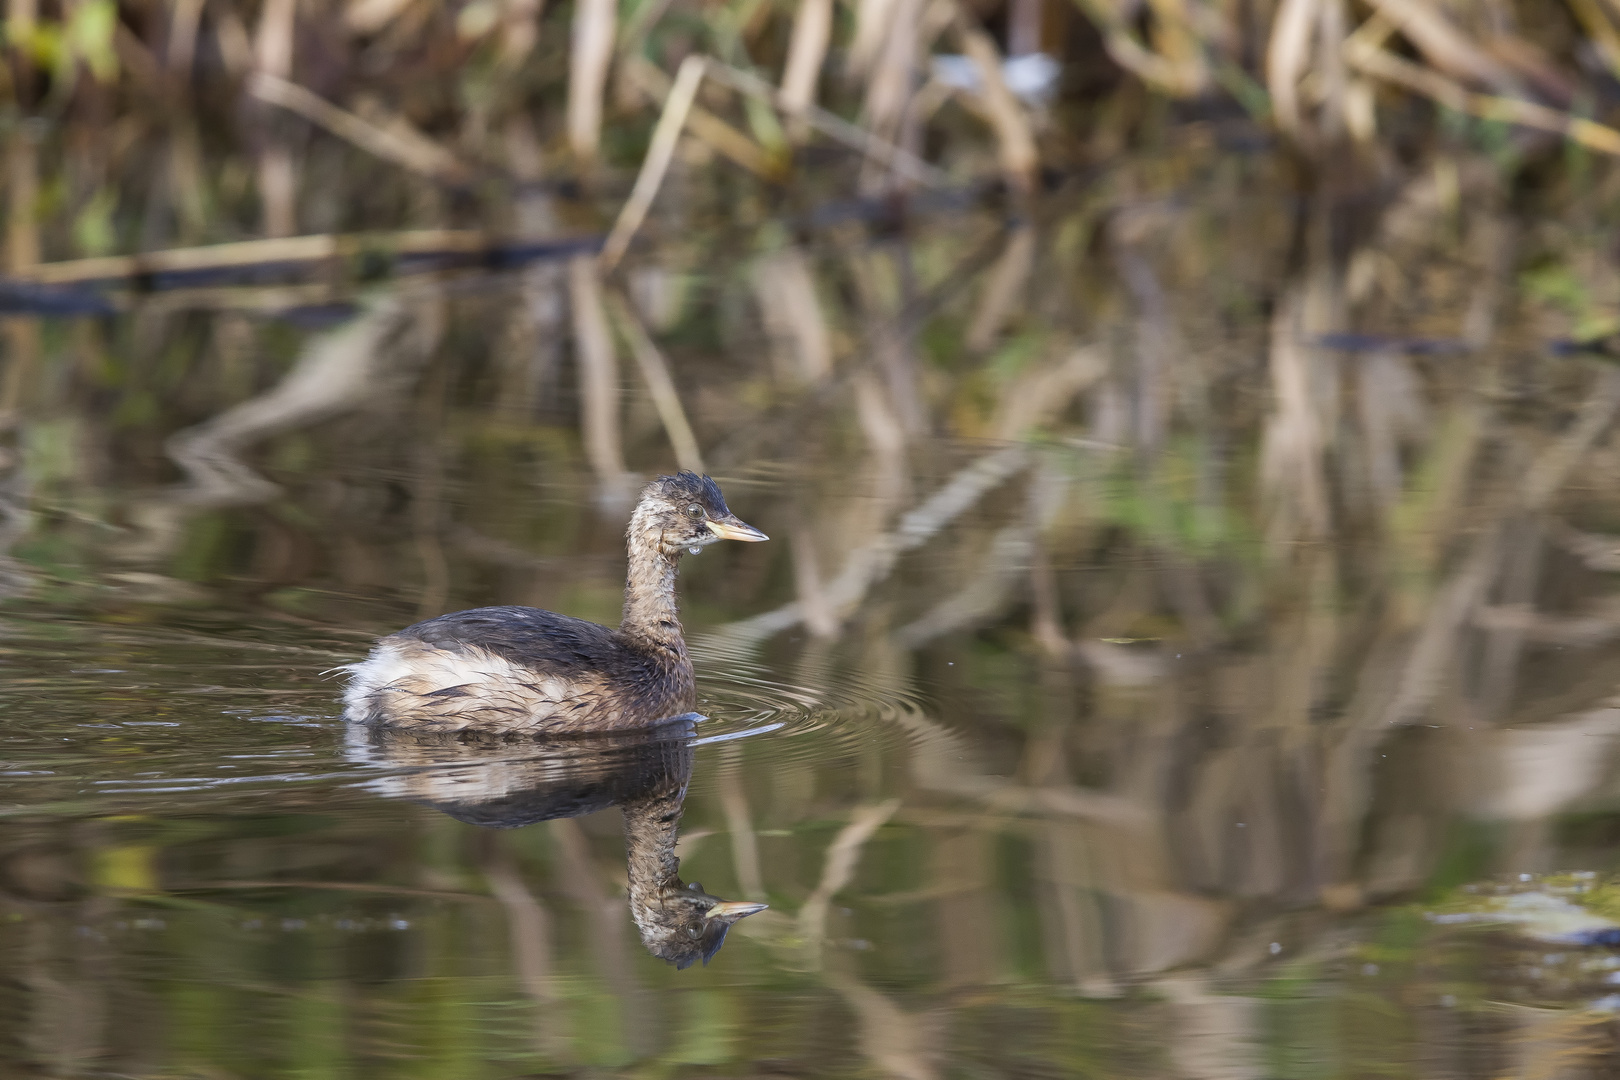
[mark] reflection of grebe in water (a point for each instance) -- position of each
(523, 669)
(505, 781)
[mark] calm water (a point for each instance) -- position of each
(978, 863)
(1195, 663)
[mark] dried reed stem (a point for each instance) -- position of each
(589, 57)
(892, 80)
(655, 372)
(835, 127)
(1288, 55)
(398, 142)
(656, 163)
(277, 173)
(708, 128)
(235, 44)
(872, 18)
(1601, 28)
(520, 32)
(22, 200)
(273, 45)
(1158, 71)
(812, 29)
(278, 190)
(1431, 84)
(1445, 46)
(21, 18)
(1176, 40)
(183, 36)
(370, 16)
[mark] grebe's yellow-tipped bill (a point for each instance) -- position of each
(732, 529)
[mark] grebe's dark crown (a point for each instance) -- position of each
(690, 486)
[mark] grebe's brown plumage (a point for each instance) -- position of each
(524, 669)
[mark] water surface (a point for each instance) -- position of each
(1177, 612)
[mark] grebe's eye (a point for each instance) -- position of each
(695, 512)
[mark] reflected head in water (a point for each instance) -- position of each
(524, 669)
(683, 926)
(508, 780)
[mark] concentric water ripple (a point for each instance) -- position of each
(818, 712)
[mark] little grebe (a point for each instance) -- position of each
(523, 669)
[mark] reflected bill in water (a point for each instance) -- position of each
(507, 781)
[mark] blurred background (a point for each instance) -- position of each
(1186, 431)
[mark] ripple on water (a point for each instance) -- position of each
(139, 730)
(819, 715)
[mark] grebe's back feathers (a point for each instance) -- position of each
(525, 635)
(516, 668)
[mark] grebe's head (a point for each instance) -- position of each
(686, 513)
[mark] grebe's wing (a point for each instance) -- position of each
(525, 635)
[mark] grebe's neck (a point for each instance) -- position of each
(650, 614)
